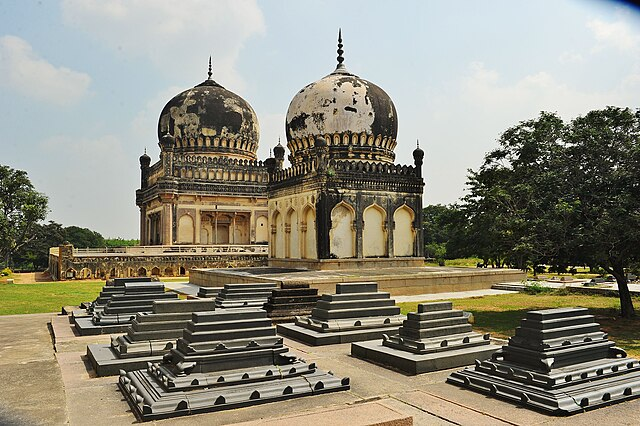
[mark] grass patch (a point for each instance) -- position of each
(45, 297)
(500, 315)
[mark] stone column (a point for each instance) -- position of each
(198, 225)
(167, 224)
(252, 227)
(143, 225)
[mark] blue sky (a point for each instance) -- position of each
(84, 81)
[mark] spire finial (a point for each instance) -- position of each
(340, 51)
(417, 143)
(210, 73)
(145, 150)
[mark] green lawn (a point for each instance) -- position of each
(500, 315)
(45, 297)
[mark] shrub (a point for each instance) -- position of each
(6, 272)
(536, 288)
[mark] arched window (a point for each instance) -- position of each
(309, 233)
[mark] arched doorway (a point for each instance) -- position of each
(293, 235)
(142, 272)
(342, 235)
(309, 234)
(403, 232)
(374, 236)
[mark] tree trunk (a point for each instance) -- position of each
(626, 304)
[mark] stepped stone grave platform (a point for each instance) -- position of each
(437, 337)
(111, 287)
(226, 359)
(558, 362)
(121, 309)
(245, 295)
(148, 338)
(289, 301)
(357, 312)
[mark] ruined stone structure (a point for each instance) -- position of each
(558, 362)
(208, 186)
(357, 312)
(436, 337)
(289, 301)
(225, 359)
(67, 262)
(343, 201)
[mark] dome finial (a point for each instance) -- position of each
(417, 143)
(340, 51)
(145, 150)
(210, 73)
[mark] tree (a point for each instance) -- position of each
(34, 255)
(83, 237)
(21, 208)
(444, 232)
(604, 170)
(562, 194)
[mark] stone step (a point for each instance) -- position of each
(234, 315)
(550, 314)
(557, 322)
(155, 326)
(434, 306)
(355, 296)
(556, 333)
(441, 322)
(228, 325)
(435, 331)
(290, 299)
(363, 287)
(355, 313)
(294, 292)
(240, 286)
(354, 304)
(222, 335)
(182, 306)
(428, 316)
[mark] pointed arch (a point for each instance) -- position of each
(374, 233)
(342, 235)
(292, 230)
(185, 229)
(308, 227)
(262, 229)
(277, 235)
(403, 232)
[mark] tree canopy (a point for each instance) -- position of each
(21, 208)
(561, 194)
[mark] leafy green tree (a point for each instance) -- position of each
(444, 232)
(604, 175)
(562, 194)
(120, 242)
(83, 237)
(21, 208)
(34, 255)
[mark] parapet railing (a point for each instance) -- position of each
(219, 249)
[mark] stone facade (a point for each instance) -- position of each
(343, 197)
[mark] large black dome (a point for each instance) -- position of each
(210, 119)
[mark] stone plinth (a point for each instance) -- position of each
(226, 359)
(357, 312)
(558, 362)
(148, 338)
(121, 309)
(436, 337)
(245, 295)
(289, 301)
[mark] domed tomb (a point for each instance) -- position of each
(356, 117)
(211, 120)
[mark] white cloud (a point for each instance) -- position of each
(25, 72)
(176, 36)
(618, 35)
(570, 58)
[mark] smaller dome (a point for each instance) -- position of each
(145, 160)
(418, 153)
(278, 151)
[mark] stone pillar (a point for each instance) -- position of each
(358, 224)
(167, 224)
(198, 225)
(252, 226)
(143, 225)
